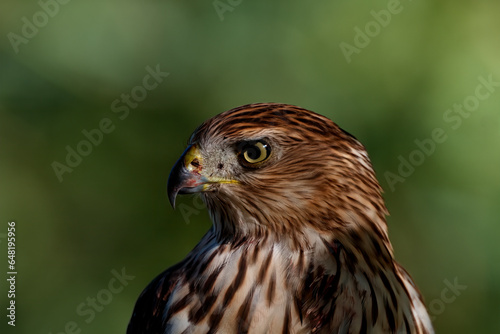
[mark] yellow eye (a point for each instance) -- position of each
(254, 152)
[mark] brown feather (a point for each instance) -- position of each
(299, 243)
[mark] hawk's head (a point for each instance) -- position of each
(281, 169)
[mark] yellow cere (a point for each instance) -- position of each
(192, 154)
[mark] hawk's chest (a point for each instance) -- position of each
(230, 289)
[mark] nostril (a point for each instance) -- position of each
(195, 163)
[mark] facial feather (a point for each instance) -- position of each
(299, 242)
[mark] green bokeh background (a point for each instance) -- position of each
(111, 211)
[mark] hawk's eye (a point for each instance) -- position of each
(253, 152)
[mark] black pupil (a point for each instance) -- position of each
(253, 152)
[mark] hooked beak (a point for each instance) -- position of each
(186, 177)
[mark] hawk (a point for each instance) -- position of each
(298, 242)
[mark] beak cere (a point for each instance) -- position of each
(185, 177)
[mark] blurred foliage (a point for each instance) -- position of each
(111, 211)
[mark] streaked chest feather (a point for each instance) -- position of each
(263, 288)
(241, 289)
